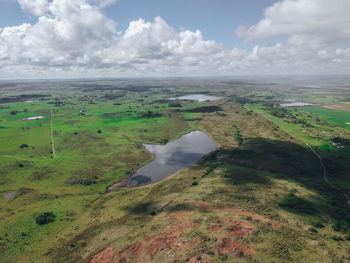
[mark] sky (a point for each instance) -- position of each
(156, 38)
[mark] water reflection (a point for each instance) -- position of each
(173, 157)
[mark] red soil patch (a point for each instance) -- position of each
(198, 259)
(108, 255)
(237, 228)
(241, 229)
(168, 240)
(135, 249)
(172, 239)
(275, 225)
(215, 228)
(228, 246)
(179, 214)
(254, 216)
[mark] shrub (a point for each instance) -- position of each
(337, 238)
(194, 183)
(44, 218)
(317, 224)
(24, 145)
(347, 237)
(163, 141)
(340, 225)
(313, 230)
(153, 213)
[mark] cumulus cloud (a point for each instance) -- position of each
(35, 7)
(328, 20)
(312, 29)
(75, 37)
(66, 33)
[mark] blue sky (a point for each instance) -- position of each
(216, 19)
(126, 38)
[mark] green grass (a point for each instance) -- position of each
(269, 174)
(293, 130)
(337, 117)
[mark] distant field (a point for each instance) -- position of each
(261, 197)
(338, 117)
(337, 107)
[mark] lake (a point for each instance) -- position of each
(297, 104)
(197, 97)
(173, 157)
(33, 118)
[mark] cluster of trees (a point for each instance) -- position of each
(149, 114)
(239, 137)
(175, 104)
(44, 218)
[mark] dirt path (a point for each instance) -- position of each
(51, 134)
(325, 174)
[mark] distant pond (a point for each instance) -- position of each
(297, 104)
(197, 97)
(33, 118)
(173, 157)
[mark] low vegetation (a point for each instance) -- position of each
(260, 197)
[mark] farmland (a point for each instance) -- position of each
(260, 197)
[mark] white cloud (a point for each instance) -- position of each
(35, 7)
(328, 20)
(313, 30)
(74, 37)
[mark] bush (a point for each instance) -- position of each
(208, 171)
(153, 213)
(317, 224)
(313, 230)
(340, 225)
(88, 181)
(44, 218)
(194, 183)
(347, 237)
(163, 141)
(14, 112)
(24, 145)
(337, 238)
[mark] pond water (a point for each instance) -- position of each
(173, 157)
(297, 104)
(10, 195)
(33, 118)
(198, 97)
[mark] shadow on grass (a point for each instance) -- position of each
(288, 161)
(140, 208)
(240, 177)
(296, 204)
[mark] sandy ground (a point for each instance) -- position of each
(337, 107)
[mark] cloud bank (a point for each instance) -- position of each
(75, 38)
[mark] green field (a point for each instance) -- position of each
(338, 117)
(261, 197)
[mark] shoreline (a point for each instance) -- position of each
(124, 180)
